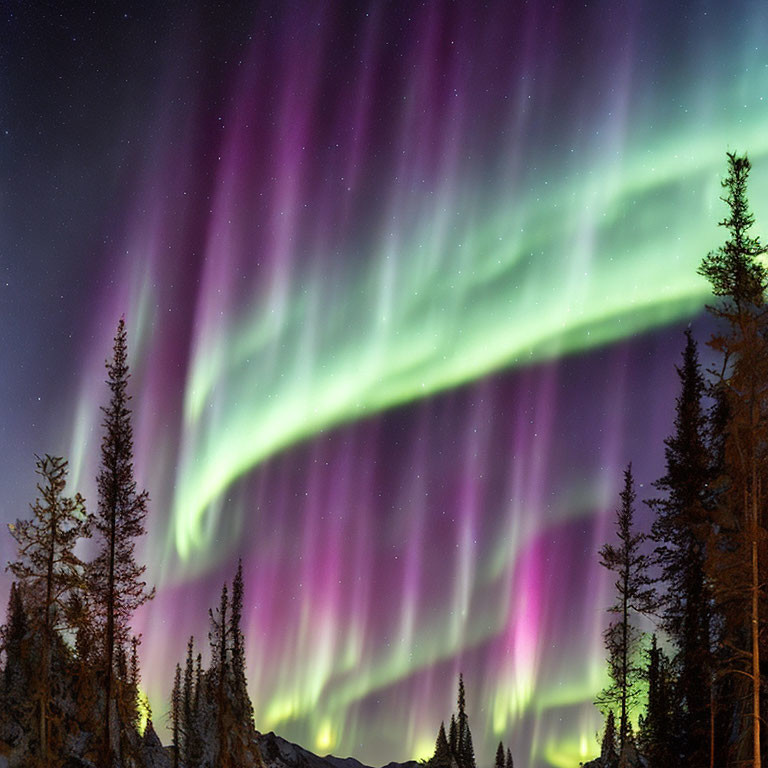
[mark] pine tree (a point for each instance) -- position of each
(680, 531)
(453, 738)
(736, 557)
(609, 755)
(510, 763)
(16, 673)
(196, 726)
(176, 716)
(465, 753)
(86, 685)
(461, 722)
(49, 569)
(127, 685)
(442, 755)
(656, 727)
(633, 595)
(117, 587)
(219, 638)
(468, 758)
(134, 675)
(244, 708)
(187, 699)
(198, 683)
(499, 756)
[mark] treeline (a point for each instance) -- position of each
(211, 711)
(696, 688)
(455, 750)
(70, 680)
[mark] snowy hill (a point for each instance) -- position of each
(276, 752)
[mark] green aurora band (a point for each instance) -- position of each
(458, 279)
(462, 297)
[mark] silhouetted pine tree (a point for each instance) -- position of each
(464, 753)
(633, 595)
(453, 738)
(176, 717)
(242, 701)
(50, 571)
(86, 686)
(510, 763)
(468, 757)
(736, 557)
(117, 587)
(680, 531)
(442, 755)
(662, 718)
(128, 686)
(198, 682)
(461, 722)
(219, 638)
(609, 755)
(18, 677)
(499, 763)
(187, 709)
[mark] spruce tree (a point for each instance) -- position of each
(468, 757)
(680, 532)
(187, 699)
(510, 763)
(736, 557)
(499, 763)
(657, 726)
(442, 756)
(243, 706)
(633, 595)
(49, 569)
(219, 637)
(461, 722)
(609, 756)
(117, 586)
(453, 738)
(464, 752)
(176, 716)
(17, 676)
(198, 683)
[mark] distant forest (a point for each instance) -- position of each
(691, 693)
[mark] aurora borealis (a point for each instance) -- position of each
(404, 285)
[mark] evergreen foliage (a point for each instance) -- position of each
(176, 716)
(609, 754)
(50, 572)
(634, 595)
(117, 588)
(456, 750)
(499, 762)
(442, 756)
(658, 739)
(680, 533)
(453, 739)
(736, 549)
(242, 702)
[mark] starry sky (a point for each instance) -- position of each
(405, 284)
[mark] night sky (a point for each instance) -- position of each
(405, 284)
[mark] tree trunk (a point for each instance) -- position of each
(624, 665)
(47, 644)
(755, 633)
(711, 724)
(110, 645)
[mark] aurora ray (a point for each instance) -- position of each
(403, 287)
